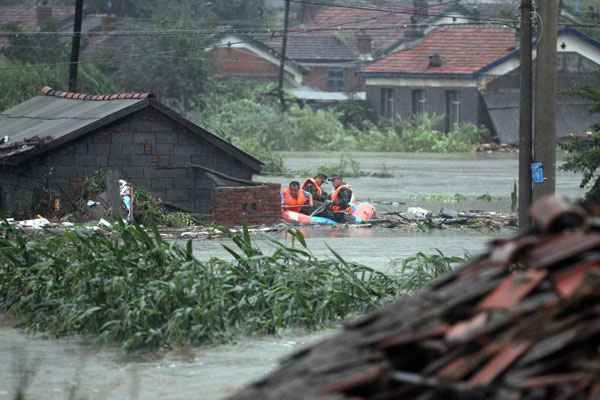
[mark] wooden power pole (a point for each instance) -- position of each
(286, 24)
(526, 118)
(76, 45)
(544, 145)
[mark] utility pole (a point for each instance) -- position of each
(526, 118)
(544, 145)
(75, 46)
(286, 24)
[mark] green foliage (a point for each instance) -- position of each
(21, 81)
(34, 49)
(421, 135)
(249, 117)
(132, 287)
(583, 156)
(346, 167)
(418, 271)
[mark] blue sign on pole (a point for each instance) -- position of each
(537, 172)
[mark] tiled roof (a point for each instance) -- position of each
(463, 50)
(384, 27)
(26, 17)
(48, 91)
(312, 47)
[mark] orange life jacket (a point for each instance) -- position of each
(317, 186)
(294, 203)
(336, 195)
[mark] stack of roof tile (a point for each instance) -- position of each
(520, 322)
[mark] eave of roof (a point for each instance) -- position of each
(412, 75)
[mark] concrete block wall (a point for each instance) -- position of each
(436, 102)
(148, 148)
(250, 205)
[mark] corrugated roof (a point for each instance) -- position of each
(54, 117)
(463, 50)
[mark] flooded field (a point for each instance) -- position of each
(212, 373)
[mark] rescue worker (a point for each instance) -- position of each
(294, 199)
(314, 186)
(340, 200)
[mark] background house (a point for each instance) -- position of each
(470, 74)
(439, 75)
(578, 66)
(317, 67)
(58, 140)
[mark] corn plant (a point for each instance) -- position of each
(418, 271)
(132, 287)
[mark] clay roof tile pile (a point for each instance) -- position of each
(463, 50)
(48, 91)
(520, 322)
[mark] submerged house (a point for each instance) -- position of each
(470, 74)
(55, 141)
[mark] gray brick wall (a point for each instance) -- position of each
(148, 148)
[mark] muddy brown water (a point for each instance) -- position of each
(213, 372)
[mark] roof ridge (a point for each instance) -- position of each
(48, 91)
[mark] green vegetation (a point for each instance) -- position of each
(583, 156)
(132, 287)
(346, 167)
(418, 271)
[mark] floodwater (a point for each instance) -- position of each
(212, 373)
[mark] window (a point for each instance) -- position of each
(452, 109)
(335, 79)
(387, 103)
(419, 102)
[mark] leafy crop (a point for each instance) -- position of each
(132, 287)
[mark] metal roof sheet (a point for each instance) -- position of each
(47, 116)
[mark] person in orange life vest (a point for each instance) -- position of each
(294, 199)
(340, 200)
(314, 186)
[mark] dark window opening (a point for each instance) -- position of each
(387, 103)
(452, 109)
(419, 102)
(335, 79)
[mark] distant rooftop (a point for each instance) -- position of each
(458, 49)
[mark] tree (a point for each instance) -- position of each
(583, 153)
(34, 49)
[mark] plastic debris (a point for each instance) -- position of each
(37, 223)
(418, 213)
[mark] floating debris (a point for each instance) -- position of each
(520, 322)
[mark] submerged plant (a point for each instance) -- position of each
(418, 271)
(132, 287)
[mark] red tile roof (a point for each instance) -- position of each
(463, 50)
(26, 17)
(48, 91)
(385, 24)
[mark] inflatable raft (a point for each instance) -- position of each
(362, 213)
